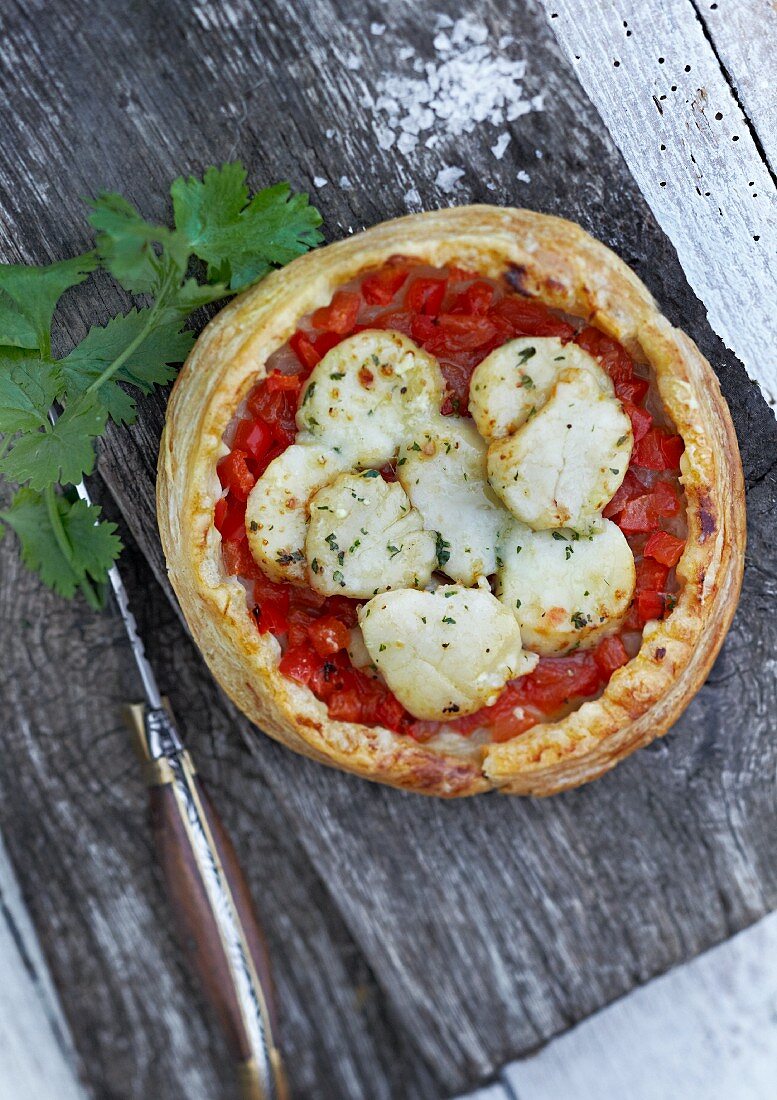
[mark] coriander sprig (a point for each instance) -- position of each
(221, 242)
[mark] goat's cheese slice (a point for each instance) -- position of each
(565, 463)
(443, 471)
(444, 653)
(368, 394)
(277, 509)
(514, 381)
(566, 590)
(364, 537)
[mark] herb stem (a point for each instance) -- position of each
(122, 358)
(60, 534)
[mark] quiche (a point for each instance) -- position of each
(451, 505)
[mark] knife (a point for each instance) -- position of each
(208, 891)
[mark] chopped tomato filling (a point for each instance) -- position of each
(459, 318)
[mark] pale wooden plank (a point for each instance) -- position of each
(744, 34)
(706, 1031)
(37, 1061)
(655, 80)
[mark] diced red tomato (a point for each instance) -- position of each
(630, 488)
(277, 381)
(237, 559)
(640, 418)
(531, 319)
(425, 296)
(254, 437)
(556, 680)
(326, 341)
(340, 315)
(476, 299)
(235, 475)
(299, 663)
(399, 320)
(343, 608)
(632, 389)
(230, 518)
(381, 286)
(423, 329)
(658, 450)
(276, 406)
(664, 547)
(328, 636)
(612, 355)
(651, 574)
(610, 654)
(345, 706)
(649, 605)
(300, 618)
(302, 346)
(458, 332)
(643, 513)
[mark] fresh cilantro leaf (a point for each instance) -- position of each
(27, 390)
(16, 330)
(35, 292)
(62, 452)
(126, 245)
(149, 365)
(240, 240)
(93, 546)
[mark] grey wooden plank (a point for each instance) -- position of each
(37, 1060)
(659, 87)
(73, 810)
(489, 926)
(743, 34)
(707, 1031)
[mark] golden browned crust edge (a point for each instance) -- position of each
(557, 262)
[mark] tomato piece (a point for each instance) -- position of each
(328, 636)
(641, 420)
(612, 355)
(381, 286)
(300, 619)
(632, 389)
(235, 475)
(651, 575)
(423, 329)
(390, 712)
(326, 341)
(302, 346)
(343, 608)
(230, 520)
(425, 296)
(642, 514)
(286, 383)
(277, 407)
(340, 315)
(649, 605)
(630, 488)
(389, 473)
(556, 680)
(345, 706)
(531, 319)
(610, 654)
(476, 299)
(666, 548)
(237, 558)
(458, 332)
(397, 320)
(253, 436)
(272, 610)
(299, 663)
(658, 450)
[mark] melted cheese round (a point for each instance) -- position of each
(368, 394)
(565, 463)
(364, 538)
(277, 509)
(515, 381)
(566, 590)
(444, 653)
(443, 471)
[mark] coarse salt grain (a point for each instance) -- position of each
(469, 83)
(448, 177)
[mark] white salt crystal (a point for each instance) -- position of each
(345, 183)
(377, 28)
(447, 178)
(501, 144)
(330, 133)
(320, 181)
(523, 177)
(407, 143)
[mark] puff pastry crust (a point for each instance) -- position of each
(556, 262)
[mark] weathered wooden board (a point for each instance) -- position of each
(467, 933)
(673, 111)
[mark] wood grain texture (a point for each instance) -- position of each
(471, 932)
(660, 89)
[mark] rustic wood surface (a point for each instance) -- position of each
(417, 945)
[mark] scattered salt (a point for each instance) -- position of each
(448, 177)
(377, 28)
(320, 181)
(501, 144)
(412, 197)
(330, 133)
(353, 62)
(345, 183)
(523, 177)
(468, 83)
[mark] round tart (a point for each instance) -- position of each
(450, 505)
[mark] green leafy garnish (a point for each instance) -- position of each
(53, 410)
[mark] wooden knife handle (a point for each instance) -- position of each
(215, 915)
